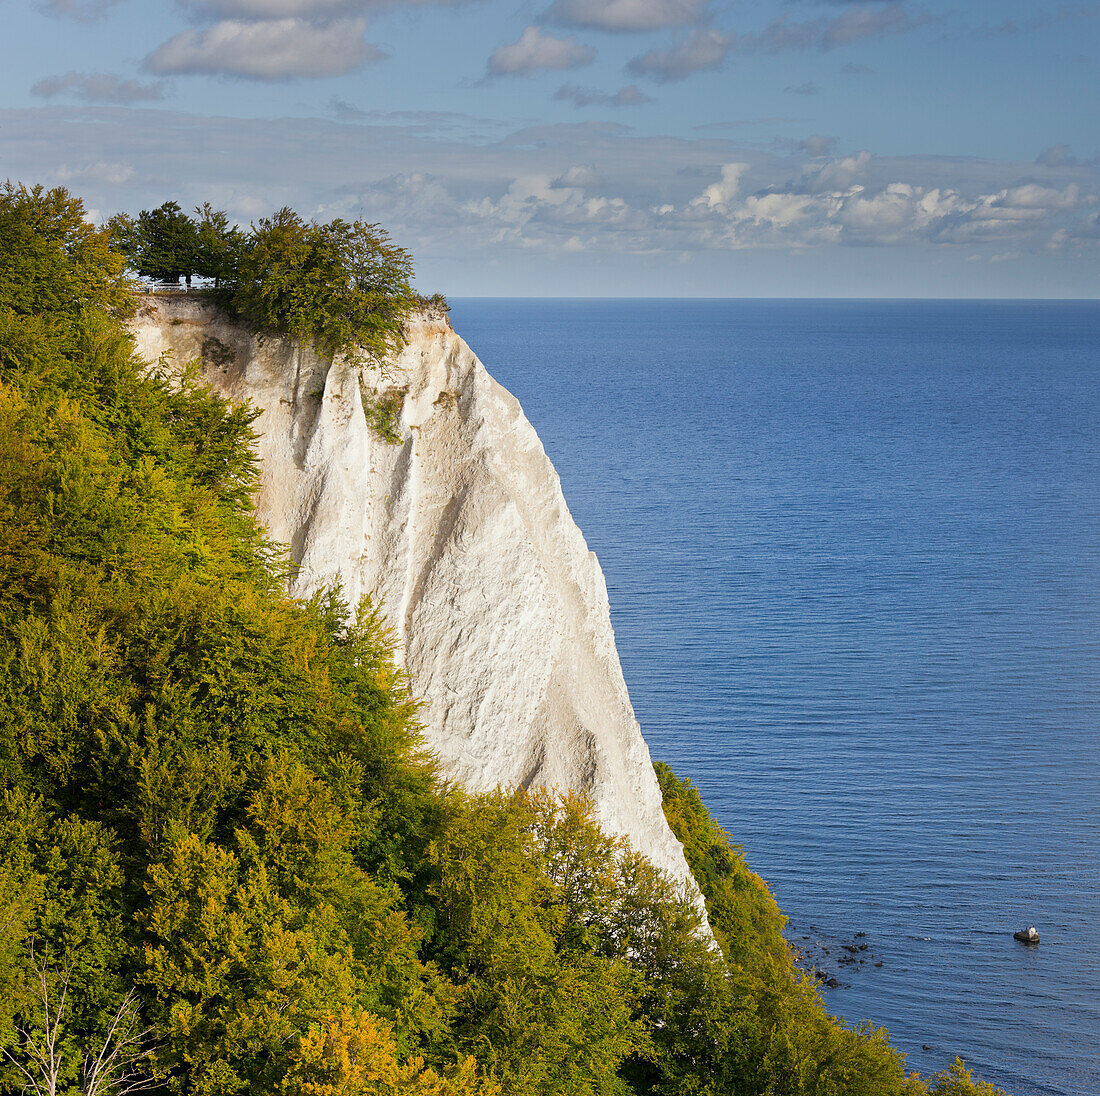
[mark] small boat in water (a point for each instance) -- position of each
(1027, 936)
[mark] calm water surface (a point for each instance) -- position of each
(852, 555)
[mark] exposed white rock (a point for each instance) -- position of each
(462, 531)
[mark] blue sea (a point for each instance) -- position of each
(853, 555)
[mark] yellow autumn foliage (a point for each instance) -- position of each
(355, 1054)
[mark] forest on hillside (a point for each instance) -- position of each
(227, 863)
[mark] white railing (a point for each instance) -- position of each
(163, 288)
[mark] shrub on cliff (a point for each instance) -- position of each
(743, 913)
(956, 1080)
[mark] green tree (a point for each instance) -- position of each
(126, 238)
(743, 913)
(355, 1054)
(526, 893)
(219, 246)
(956, 1080)
(169, 244)
(211, 791)
(55, 264)
(336, 287)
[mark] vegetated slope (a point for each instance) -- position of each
(393, 463)
(225, 864)
(457, 527)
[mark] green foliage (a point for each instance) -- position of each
(166, 244)
(436, 304)
(383, 411)
(223, 853)
(531, 925)
(957, 1081)
(55, 263)
(211, 791)
(219, 244)
(745, 917)
(280, 925)
(355, 1054)
(335, 287)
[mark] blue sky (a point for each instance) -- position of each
(596, 147)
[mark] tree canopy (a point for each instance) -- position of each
(161, 243)
(336, 286)
(227, 864)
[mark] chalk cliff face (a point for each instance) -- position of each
(462, 531)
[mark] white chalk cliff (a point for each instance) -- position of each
(462, 531)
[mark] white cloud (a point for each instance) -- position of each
(701, 50)
(97, 87)
(1032, 196)
(278, 49)
(837, 174)
(539, 212)
(629, 96)
(99, 172)
(839, 202)
(719, 195)
(537, 51)
(627, 15)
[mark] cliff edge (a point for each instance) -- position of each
(499, 608)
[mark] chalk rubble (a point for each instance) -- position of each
(462, 532)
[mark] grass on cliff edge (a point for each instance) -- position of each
(226, 863)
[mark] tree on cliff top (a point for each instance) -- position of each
(336, 286)
(165, 244)
(161, 243)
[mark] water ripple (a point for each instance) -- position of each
(853, 556)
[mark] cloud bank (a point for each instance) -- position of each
(560, 189)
